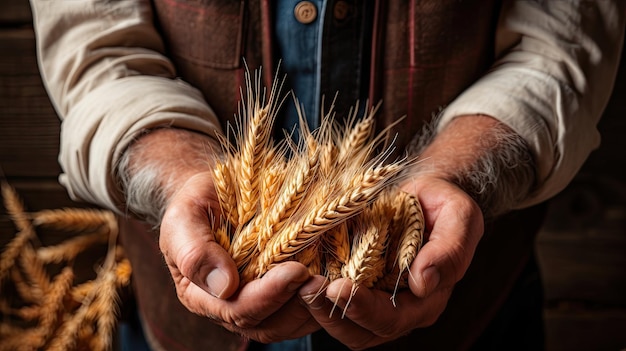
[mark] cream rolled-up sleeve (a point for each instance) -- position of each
(103, 66)
(554, 75)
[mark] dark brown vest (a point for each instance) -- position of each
(424, 54)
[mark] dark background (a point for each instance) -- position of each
(581, 248)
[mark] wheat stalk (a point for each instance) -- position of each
(72, 219)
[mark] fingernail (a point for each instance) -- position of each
(217, 282)
(313, 301)
(430, 279)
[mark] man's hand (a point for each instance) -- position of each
(474, 155)
(454, 226)
(206, 278)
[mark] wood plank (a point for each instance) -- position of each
(582, 244)
(29, 127)
(48, 194)
(586, 329)
(15, 12)
(40, 194)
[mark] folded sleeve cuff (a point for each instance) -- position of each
(540, 109)
(99, 128)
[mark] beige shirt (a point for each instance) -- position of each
(104, 66)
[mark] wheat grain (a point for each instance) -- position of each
(273, 177)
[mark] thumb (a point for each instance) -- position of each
(189, 247)
(444, 259)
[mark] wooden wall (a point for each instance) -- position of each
(582, 248)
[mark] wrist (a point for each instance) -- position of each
(158, 164)
(483, 157)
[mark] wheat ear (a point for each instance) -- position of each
(23, 288)
(104, 309)
(34, 271)
(52, 304)
(69, 249)
(15, 207)
(292, 193)
(413, 234)
(337, 245)
(72, 219)
(226, 190)
(12, 251)
(358, 134)
(252, 239)
(259, 119)
(292, 238)
(366, 262)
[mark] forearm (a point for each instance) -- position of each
(483, 157)
(157, 164)
(104, 67)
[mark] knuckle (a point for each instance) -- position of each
(188, 260)
(245, 321)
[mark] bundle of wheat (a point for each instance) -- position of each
(41, 305)
(328, 200)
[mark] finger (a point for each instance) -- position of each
(329, 317)
(188, 243)
(369, 317)
(445, 258)
(375, 311)
(260, 298)
(291, 321)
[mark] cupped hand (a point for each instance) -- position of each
(454, 226)
(207, 281)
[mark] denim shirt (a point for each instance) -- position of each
(325, 60)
